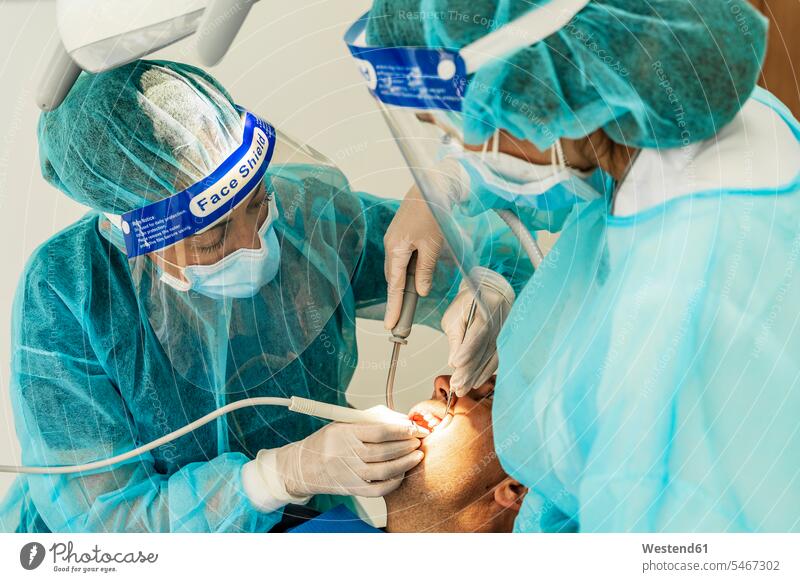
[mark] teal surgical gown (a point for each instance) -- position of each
(90, 379)
(649, 373)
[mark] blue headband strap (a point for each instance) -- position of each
(416, 77)
(163, 223)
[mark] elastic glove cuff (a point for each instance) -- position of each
(263, 484)
(486, 278)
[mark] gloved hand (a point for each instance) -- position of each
(413, 229)
(474, 355)
(341, 459)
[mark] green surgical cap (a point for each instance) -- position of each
(651, 73)
(137, 134)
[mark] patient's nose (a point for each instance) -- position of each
(441, 388)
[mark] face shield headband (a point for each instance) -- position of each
(436, 78)
(201, 205)
(413, 86)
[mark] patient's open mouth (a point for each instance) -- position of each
(428, 415)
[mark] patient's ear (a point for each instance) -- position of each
(510, 493)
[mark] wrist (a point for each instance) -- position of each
(265, 485)
(489, 279)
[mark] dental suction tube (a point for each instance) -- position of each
(377, 415)
(526, 240)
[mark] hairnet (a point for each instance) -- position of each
(654, 73)
(137, 134)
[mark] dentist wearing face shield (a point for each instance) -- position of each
(221, 261)
(647, 374)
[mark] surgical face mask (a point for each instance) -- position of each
(511, 180)
(239, 275)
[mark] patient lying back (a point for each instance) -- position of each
(459, 486)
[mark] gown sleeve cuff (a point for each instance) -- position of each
(264, 487)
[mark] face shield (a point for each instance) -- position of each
(420, 91)
(238, 272)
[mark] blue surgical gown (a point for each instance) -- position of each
(649, 372)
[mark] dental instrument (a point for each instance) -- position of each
(470, 319)
(332, 412)
(402, 329)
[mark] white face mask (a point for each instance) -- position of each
(239, 275)
(547, 186)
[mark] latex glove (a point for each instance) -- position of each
(474, 356)
(413, 229)
(341, 459)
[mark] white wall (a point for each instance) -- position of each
(291, 66)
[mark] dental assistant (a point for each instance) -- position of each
(221, 261)
(648, 378)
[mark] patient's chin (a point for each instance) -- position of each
(415, 493)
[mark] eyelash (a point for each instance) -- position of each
(211, 249)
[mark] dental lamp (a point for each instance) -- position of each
(98, 35)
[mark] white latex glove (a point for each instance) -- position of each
(341, 459)
(474, 356)
(413, 229)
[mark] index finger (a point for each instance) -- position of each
(381, 433)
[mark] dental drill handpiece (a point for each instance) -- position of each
(402, 330)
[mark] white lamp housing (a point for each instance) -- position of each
(103, 34)
(98, 35)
